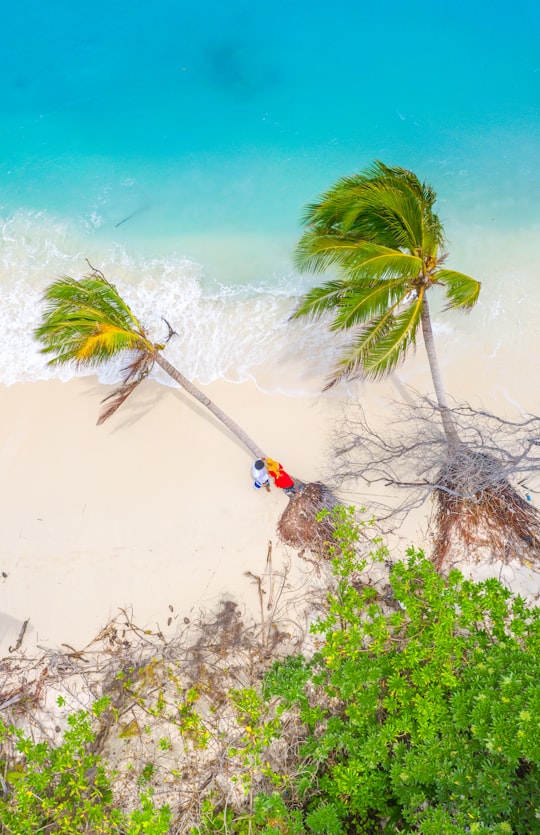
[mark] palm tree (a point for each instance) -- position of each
(379, 230)
(86, 322)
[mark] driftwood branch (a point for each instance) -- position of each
(20, 637)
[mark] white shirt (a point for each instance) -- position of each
(260, 476)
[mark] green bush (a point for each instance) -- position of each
(420, 713)
(419, 716)
(65, 789)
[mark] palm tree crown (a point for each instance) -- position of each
(86, 322)
(379, 229)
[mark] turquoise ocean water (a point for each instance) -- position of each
(173, 144)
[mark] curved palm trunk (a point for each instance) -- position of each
(448, 424)
(202, 398)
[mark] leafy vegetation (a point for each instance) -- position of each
(418, 711)
(66, 789)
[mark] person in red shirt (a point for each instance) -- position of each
(281, 478)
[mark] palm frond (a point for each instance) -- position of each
(134, 373)
(390, 351)
(92, 292)
(461, 290)
(320, 300)
(389, 206)
(362, 303)
(382, 345)
(352, 363)
(316, 253)
(380, 263)
(85, 321)
(115, 400)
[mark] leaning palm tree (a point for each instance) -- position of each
(379, 230)
(86, 322)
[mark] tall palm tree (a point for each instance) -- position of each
(86, 322)
(379, 229)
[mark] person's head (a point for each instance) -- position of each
(259, 464)
(271, 464)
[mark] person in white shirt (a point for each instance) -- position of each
(260, 475)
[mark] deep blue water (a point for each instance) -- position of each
(155, 137)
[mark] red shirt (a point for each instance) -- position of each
(281, 478)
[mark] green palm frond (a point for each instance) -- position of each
(363, 303)
(317, 253)
(381, 263)
(382, 345)
(388, 206)
(461, 290)
(85, 321)
(390, 351)
(367, 295)
(320, 300)
(353, 361)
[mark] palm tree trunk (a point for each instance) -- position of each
(448, 424)
(202, 398)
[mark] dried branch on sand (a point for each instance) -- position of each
(171, 724)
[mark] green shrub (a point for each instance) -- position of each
(65, 789)
(420, 716)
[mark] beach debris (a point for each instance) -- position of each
(131, 215)
(484, 521)
(20, 637)
(269, 569)
(481, 512)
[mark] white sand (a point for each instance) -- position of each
(156, 508)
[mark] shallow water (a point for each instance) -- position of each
(174, 146)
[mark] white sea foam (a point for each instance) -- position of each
(243, 331)
(222, 332)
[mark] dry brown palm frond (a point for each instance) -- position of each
(134, 373)
(116, 398)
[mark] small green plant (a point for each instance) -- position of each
(270, 816)
(66, 789)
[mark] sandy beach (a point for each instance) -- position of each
(155, 511)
